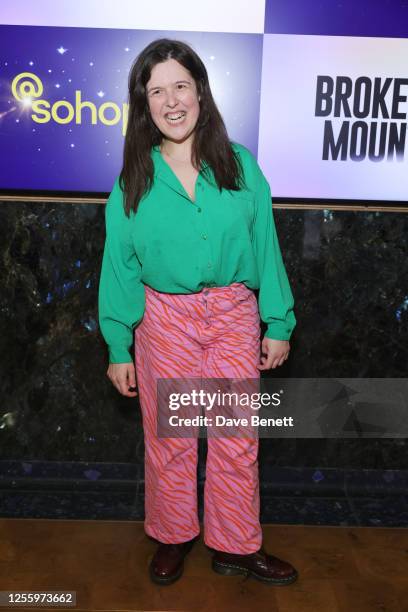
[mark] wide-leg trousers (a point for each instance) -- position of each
(211, 334)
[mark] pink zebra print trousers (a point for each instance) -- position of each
(211, 334)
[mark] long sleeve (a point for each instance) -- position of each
(275, 296)
(121, 298)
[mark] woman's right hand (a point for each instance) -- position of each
(123, 376)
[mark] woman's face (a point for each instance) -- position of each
(171, 91)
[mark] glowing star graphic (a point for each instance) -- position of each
(127, 49)
(61, 50)
(10, 110)
(27, 101)
(100, 94)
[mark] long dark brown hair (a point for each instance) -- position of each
(211, 143)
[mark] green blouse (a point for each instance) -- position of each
(175, 245)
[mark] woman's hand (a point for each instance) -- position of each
(123, 376)
(276, 352)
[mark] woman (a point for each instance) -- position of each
(189, 236)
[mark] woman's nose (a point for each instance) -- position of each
(171, 99)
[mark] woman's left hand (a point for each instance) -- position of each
(276, 352)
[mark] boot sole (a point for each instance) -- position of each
(234, 570)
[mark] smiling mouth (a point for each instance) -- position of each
(175, 117)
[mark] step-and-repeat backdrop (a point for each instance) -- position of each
(318, 92)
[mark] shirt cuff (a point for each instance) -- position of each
(119, 354)
(278, 330)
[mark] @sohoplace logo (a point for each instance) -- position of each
(27, 88)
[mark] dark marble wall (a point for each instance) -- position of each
(349, 274)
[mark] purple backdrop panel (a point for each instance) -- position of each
(387, 18)
(67, 145)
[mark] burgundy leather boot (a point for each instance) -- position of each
(167, 564)
(260, 565)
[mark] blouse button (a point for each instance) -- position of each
(198, 209)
